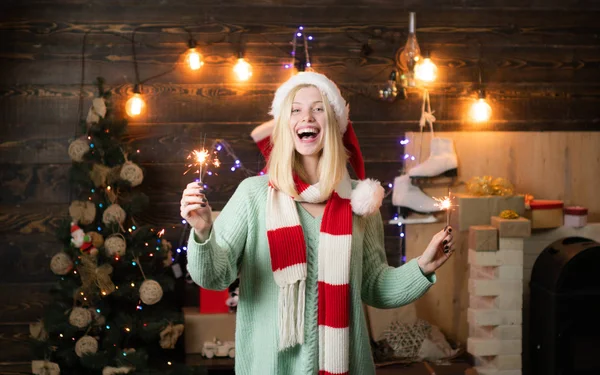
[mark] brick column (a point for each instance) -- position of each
(495, 313)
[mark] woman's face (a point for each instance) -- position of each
(307, 121)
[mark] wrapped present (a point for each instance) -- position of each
(477, 210)
(200, 328)
(575, 216)
(213, 301)
(545, 213)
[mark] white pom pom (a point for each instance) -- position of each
(366, 197)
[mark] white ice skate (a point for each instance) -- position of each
(410, 198)
(442, 160)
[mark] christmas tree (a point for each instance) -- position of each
(113, 309)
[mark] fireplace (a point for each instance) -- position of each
(564, 334)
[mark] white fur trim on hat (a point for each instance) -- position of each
(366, 197)
(324, 84)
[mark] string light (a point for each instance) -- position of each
(480, 110)
(61, 335)
(242, 69)
(132, 285)
(193, 57)
(127, 329)
(135, 104)
(426, 71)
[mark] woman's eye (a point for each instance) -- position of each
(319, 109)
(295, 110)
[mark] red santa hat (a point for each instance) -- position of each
(339, 106)
(368, 194)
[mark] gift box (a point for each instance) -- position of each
(213, 301)
(478, 210)
(575, 216)
(545, 213)
(201, 328)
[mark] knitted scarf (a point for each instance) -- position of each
(288, 261)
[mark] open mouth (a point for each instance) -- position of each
(308, 133)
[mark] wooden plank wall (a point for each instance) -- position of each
(540, 61)
(548, 165)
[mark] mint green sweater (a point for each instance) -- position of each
(238, 246)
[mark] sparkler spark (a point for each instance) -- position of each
(198, 158)
(445, 204)
(161, 233)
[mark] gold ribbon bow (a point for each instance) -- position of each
(488, 185)
(169, 335)
(92, 275)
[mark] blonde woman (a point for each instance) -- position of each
(306, 243)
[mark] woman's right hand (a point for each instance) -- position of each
(196, 210)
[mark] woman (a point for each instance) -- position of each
(307, 244)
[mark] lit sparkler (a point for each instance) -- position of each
(445, 203)
(198, 158)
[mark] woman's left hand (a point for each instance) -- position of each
(437, 252)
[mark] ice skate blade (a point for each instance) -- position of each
(449, 173)
(429, 219)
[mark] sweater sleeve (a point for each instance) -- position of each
(214, 263)
(384, 286)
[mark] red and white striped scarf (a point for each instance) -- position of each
(288, 261)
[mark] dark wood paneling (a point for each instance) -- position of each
(31, 218)
(14, 341)
(15, 368)
(27, 183)
(26, 258)
(23, 302)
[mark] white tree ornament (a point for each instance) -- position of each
(61, 263)
(77, 149)
(86, 345)
(114, 214)
(80, 317)
(150, 292)
(39, 367)
(115, 245)
(82, 212)
(97, 111)
(133, 173)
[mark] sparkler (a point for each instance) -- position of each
(445, 204)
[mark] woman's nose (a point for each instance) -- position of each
(308, 117)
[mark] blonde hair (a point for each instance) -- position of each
(284, 161)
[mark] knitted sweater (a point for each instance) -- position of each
(238, 245)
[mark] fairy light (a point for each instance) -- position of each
(132, 285)
(127, 329)
(480, 110)
(104, 294)
(61, 335)
(161, 233)
(107, 327)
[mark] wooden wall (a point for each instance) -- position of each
(540, 60)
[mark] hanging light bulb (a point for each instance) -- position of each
(425, 70)
(480, 109)
(135, 105)
(411, 53)
(193, 57)
(242, 69)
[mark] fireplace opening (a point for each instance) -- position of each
(565, 309)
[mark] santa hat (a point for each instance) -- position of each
(367, 196)
(75, 227)
(338, 104)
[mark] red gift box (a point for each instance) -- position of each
(213, 301)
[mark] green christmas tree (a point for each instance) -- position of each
(113, 309)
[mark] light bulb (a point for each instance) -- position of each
(135, 105)
(411, 53)
(194, 59)
(480, 111)
(243, 69)
(426, 71)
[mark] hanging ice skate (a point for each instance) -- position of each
(411, 199)
(442, 161)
